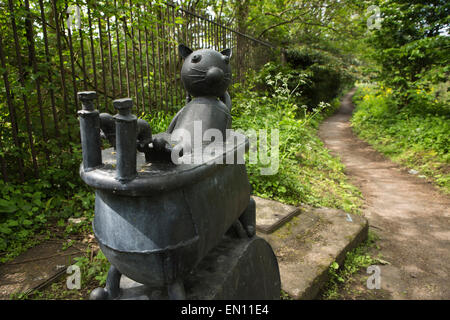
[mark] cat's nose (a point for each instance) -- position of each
(214, 75)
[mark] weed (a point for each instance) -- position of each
(354, 260)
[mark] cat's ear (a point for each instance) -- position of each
(227, 52)
(184, 51)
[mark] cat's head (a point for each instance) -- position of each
(205, 72)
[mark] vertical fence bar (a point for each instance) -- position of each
(196, 37)
(33, 62)
(11, 108)
(83, 59)
(163, 39)
(186, 26)
(158, 38)
(180, 84)
(3, 165)
(224, 38)
(216, 33)
(210, 35)
(72, 66)
(62, 75)
(91, 36)
(147, 64)
(175, 55)
(192, 30)
(169, 56)
(155, 97)
(205, 27)
(119, 69)
(110, 59)
(127, 71)
(49, 72)
(200, 30)
(102, 58)
(140, 60)
(23, 85)
(134, 57)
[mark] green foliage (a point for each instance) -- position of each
(95, 269)
(159, 121)
(355, 260)
(314, 76)
(411, 44)
(26, 208)
(416, 136)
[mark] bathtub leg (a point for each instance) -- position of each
(248, 218)
(176, 290)
(237, 230)
(112, 288)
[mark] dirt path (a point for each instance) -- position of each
(411, 218)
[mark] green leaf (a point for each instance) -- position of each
(12, 223)
(7, 206)
(4, 229)
(27, 222)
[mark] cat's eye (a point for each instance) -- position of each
(196, 58)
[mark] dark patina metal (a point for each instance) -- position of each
(155, 220)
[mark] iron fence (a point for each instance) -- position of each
(51, 49)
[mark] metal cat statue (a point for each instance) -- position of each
(160, 223)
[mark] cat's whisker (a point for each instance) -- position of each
(195, 75)
(201, 80)
(199, 70)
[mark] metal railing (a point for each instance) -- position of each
(51, 49)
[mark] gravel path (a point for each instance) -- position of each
(410, 216)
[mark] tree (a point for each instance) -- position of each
(412, 44)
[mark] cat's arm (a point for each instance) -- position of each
(226, 99)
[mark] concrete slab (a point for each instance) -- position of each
(307, 245)
(270, 214)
